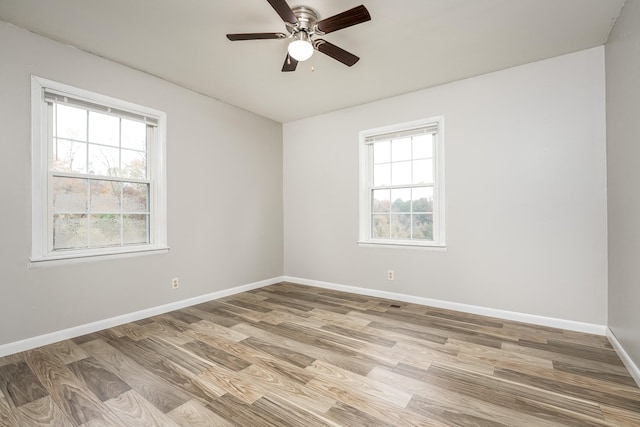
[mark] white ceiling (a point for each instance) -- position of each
(408, 44)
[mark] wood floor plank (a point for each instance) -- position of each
(449, 416)
(66, 351)
(620, 417)
(75, 400)
(234, 383)
(193, 414)
(282, 353)
(216, 355)
(168, 351)
(184, 316)
(293, 355)
(288, 413)
(573, 360)
(19, 385)
(102, 382)
(415, 355)
(41, 412)
(7, 416)
(600, 374)
(163, 367)
(359, 335)
(373, 406)
(353, 361)
(311, 300)
(293, 392)
(556, 414)
(334, 375)
(160, 393)
(278, 303)
(134, 410)
(608, 356)
(604, 396)
(496, 391)
(346, 415)
(441, 404)
(256, 356)
(211, 317)
(210, 328)
(11, 359)
(242, 413)
(331, 318)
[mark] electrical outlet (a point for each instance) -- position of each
(175, 283)
(389, 274)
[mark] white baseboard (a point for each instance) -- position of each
(626, 359)
(65, 334)
(570, 325)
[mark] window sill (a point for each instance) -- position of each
(403, 245)
(77, 258)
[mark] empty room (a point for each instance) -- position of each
(320, 213)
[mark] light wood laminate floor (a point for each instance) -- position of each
(292, 355)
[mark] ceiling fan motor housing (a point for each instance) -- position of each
(307, 18)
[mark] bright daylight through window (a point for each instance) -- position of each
(402, 184)
(98, 174)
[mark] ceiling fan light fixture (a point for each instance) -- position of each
(300, 48)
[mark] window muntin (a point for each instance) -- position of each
(99, 183)
(402, 198)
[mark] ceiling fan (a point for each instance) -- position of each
(303, 24)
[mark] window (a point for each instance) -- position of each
(98, 175)
(402, 184)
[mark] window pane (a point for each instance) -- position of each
(135, 229)
(423, 146)
(136, 197)
(105, 196)
(105, 230)
(423, 226)
(134, 135)
(382, 152)
(69, 231)
(401, 149)
(400, 226)
(423, 171)
(69, 156)
(380, 227)
(70, 195)
(401, 200)
(104, 129)
(381, 200)
(103, 160)
(423, 199)
(401, 173)
(134, 164)
(381, 175)
(70, 122)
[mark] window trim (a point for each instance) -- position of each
(365, 185)
(41, 254)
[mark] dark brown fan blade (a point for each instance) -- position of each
(255, 36)
(336, 52)
(282, 8)
(357, 15)
(290, 64)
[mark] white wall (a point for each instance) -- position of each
(525, 189)
(224, 197)
(623, 169)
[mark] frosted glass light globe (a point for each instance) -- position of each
(301, 49)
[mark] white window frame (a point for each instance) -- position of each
(42, 252)
(366, 186)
